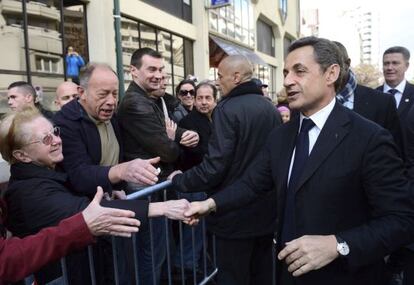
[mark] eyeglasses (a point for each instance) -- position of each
(186, 92)
(48, 139)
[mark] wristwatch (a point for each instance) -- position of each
(342, 247)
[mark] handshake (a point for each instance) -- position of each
(182, 210)
(195, 210)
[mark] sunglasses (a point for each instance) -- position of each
(48, 139)
(186, 92)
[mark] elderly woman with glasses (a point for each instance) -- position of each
(37, 194)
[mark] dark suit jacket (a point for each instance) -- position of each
(379, 108)
(410, 144)
(407, 101)
(353, 185)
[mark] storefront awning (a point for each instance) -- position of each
(220, 48)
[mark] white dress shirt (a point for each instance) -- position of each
(319, 118)
(400, 88)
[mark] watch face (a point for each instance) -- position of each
(343, 248)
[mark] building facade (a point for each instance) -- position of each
(192, 36)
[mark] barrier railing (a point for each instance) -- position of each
(209, 268)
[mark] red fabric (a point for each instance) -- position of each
(21, 257)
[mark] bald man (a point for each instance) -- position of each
(242, 121)
(66, 92)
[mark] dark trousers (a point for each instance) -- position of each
(244, 261)
(401, 260)
(409, 269)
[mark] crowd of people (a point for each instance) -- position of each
(326, 175)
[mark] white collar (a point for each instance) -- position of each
(400, 87)
(320, 117)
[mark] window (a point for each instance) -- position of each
(176, 51)
(286, 44)
(267, 74)
(47, 64)
(235, 21)
(283, 9)
(40, 59)
(265, 38)
(179, 8)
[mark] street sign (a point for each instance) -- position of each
(219, 3)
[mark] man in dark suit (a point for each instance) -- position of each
(369, 103)
(343, 202)
(395, 63)
(409, 251)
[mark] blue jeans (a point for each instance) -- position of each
(190, 255)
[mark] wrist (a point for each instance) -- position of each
(156, 209)
(115, 173)
(211, 204)
(342, 247)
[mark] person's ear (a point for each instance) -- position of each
(134, 71)
(81, 92)
(332, 74)
(21, 155)
(29, 98)
(237, 77)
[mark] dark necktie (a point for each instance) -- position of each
(301, 156)
(393, 92)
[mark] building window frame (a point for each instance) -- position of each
(188, 60)
(283, 9)
(266, 41)
(235, 22)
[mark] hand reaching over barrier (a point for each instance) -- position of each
(102, 221)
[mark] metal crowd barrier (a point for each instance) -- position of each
(207, 276)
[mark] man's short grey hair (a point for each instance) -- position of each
(399, 49)
(87, 71)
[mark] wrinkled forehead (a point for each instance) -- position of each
(103, 78)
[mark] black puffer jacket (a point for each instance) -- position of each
(242, 122)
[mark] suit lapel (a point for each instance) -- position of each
(405, 99)
(333, 132)
(360, 105)
(289, 141)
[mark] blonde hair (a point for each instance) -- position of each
(13, 133)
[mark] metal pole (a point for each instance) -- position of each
(62, 33)
(26, 42)
(149, 190)
(91, 265)
(118, 44)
